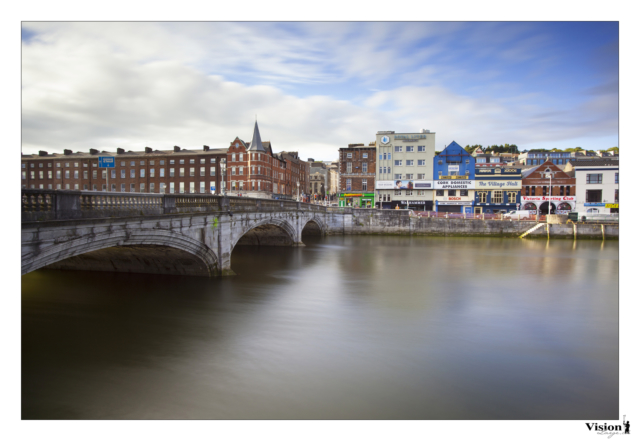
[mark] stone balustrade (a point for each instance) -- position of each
(44, 205)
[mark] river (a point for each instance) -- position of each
(348, 327)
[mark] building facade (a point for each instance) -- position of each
(454, 180)
(497, 189)
(596, 181)
(547, 188)
(404, 173)
(357, 165)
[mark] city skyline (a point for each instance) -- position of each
(315, 87)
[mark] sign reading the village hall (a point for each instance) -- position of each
(507, 185)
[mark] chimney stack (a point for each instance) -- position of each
(93, 152)
(148, 149)
(67, 152)
(205, 148)
(120, 151)
(42, 153)
(176, 148)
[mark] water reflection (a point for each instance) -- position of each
(345, 328)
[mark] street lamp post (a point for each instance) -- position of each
(298, 193)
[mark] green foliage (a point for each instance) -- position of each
(613, 149)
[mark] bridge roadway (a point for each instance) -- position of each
(154, 233)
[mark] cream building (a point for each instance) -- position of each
(404, 172)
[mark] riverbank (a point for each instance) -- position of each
(389, 222)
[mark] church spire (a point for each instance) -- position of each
(256, 142)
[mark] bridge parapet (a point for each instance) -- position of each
(45, 205)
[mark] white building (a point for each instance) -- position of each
(596, 184)
(404, 172)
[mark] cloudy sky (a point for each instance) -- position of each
(316, 87)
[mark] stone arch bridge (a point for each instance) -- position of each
(153, 233)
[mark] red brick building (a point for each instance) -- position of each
(357, 168)
(238, 169)
(538, 191)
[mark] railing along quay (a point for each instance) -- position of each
(44, 205)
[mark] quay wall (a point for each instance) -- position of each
(387, 222)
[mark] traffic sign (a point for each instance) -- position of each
(106, 162)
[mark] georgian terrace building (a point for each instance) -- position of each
(237, 170)
(357, 173)
(538, 191)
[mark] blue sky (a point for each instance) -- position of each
(318, 86)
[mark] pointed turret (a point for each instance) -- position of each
(256, 142)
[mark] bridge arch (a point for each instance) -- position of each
(155, 251)
(269, 232)
(313, 226)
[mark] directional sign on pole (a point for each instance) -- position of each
(106, 162)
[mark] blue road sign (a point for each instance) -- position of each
(106, 162)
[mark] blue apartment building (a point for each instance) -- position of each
(454, 171)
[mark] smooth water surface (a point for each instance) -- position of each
(355, 327)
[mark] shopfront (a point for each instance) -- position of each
(454, 207)
(454, 195)
(498, 190)
(356, 200)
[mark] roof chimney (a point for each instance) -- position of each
(205, 148)
(120, 151)
(67, 152)
(42, 153)
(176, 148)
(93, 152)
(148, 149)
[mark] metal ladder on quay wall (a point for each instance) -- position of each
(532, 229)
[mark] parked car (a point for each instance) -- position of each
(517, 214)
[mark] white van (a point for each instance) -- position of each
(518, 214)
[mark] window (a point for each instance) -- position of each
(58, 174)
(397, 192)
(365, 167)
(24, 175)
(202, 161)
(202, 187)
(409, 192)
(616, 178)
(421, 162)
(349, 155)
(397, 176)
(512, 196)
(349, 164)
(451, 193)
(464, 192)
(348, 184)
(162, 172)
(421, 192)
(233, 171)
(142, 170)
(132, 173)
(172, 172)
(172, 187)
(439, 161)
(152, 172)
(133, 188)
(162, 162)
(122, 188)
(104, 187)
(593, 196)
(439, 173)
(152, 162)
(75, 174)
(365, 155)
(182, 161)
(181, 187)
(171, 161)
(409, 175)
(364, 185)
(567, 188)
(123, 173)
(482, 197)
(192, 187)
(409, 148)
(113, 187)
(41, 174)
(421, 148)
(85, 174)
(213, 160)
(66, 174)
(409, 162)
(421, 175)
(233, 157)
(181, 172)
(132, 163)
(24, 165)
(439, 192)
(202, 172)
(616, 194)
(240, 170)
(526, 190)
(561, 191)
(594, 178)
(113, 174)
(398, 148)
(162, 187)
(212, 171)
(241, 157)
(152, 187)
(397, 162)
(75, 164)
(192, 171)
(192, 161)
(380, 170)
(466, 161)
(141, 187)
(141, 162)
(496, 197)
